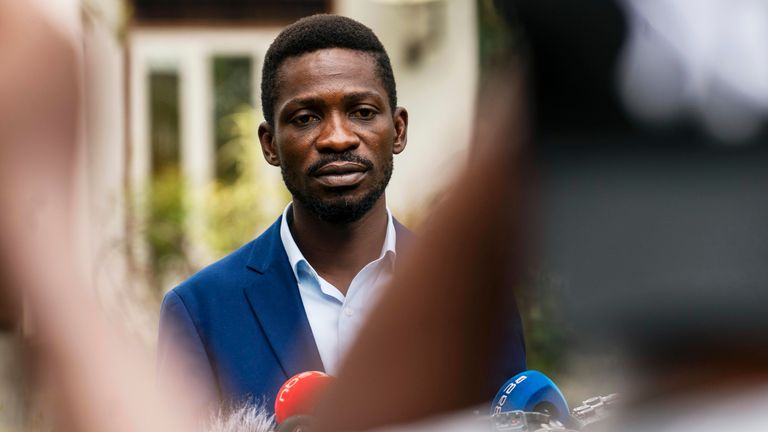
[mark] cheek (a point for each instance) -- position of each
(382, 136)
(292, 152)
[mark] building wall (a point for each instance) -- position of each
(434, 53)
(188, 51)
(433, 47)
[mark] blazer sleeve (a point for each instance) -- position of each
(181, 353)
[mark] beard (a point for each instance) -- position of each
(340, 208)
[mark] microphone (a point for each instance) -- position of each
(532, 391)
(299, 394)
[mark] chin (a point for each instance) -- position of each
(341, 214)
(340, 205)
(342, 209)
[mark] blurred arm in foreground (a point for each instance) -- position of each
(431, 345)
(98, 380)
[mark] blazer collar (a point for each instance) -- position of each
(267, 250)
(275, 300)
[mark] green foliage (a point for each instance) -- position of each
(165, 216)
(236, 211)
(233, 90)
(545, 332)
(177, 221)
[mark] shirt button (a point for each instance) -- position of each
(348, 311)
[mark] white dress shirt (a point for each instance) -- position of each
(335, 318)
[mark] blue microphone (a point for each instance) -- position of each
(532, 391)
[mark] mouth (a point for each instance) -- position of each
(341, 174)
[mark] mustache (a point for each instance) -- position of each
(339, 157)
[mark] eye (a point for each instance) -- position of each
(364, 114)
(303, 119)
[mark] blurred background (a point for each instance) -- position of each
(170, 172)
(649, 149)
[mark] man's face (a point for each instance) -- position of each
(334, 133)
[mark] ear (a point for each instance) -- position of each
(267, 140)
(401, 130)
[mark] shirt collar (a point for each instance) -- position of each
(295, 257)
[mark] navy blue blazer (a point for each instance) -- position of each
(242, 327)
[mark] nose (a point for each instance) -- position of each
(336, 135)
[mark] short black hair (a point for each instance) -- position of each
(318, 32)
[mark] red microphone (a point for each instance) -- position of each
(299, 394)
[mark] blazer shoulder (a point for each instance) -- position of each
(231, 271)
(215, 273)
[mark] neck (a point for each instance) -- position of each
(339, 251)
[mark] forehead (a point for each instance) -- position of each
(327, 71)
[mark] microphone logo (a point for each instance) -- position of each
(292, 382)
(507, 390)
(531, 391)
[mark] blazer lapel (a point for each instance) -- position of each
(275, 300)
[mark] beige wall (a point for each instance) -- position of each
(438, 90)
(437, 87)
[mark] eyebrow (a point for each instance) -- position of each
(356, 96)
(347, 98)
(303, 101)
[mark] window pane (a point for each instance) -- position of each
(165, 212)
(164, 120)
(233, 89)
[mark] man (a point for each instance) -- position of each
(293, 299)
